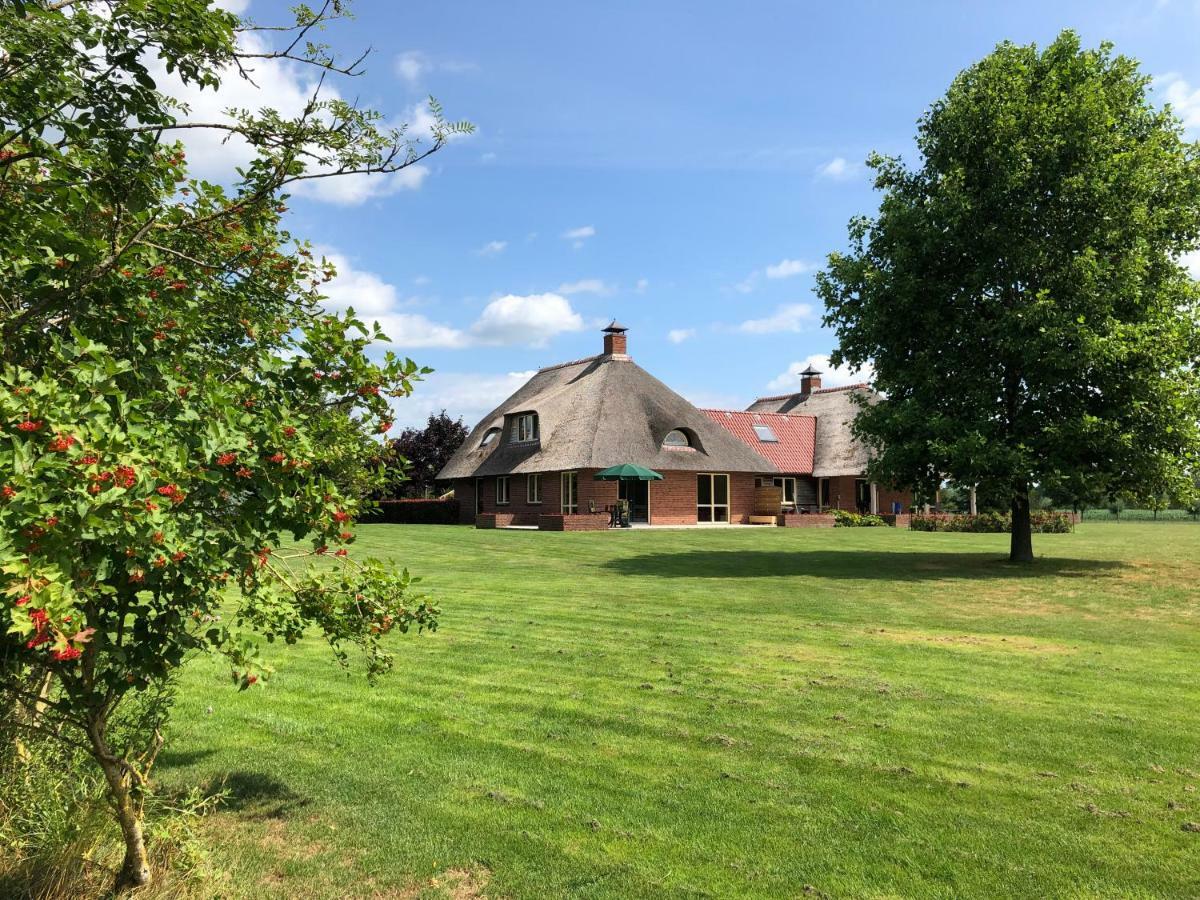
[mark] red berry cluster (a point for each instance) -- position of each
(67, 654)
(158, 271)
(29, 425)
(8, 492)
(61, 443)
(172, 493)
(227, 459)
(41, 621)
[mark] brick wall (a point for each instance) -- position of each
(672, 500)
(842, 495)
(580, 522)
(521, 511)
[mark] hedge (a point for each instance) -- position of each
(994, 523)
(413, 512)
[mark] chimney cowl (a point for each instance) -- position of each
(810, 380)
(615, 343)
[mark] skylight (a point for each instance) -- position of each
(765, 433)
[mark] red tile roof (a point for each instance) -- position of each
(792, 454)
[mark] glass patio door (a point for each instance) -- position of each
(712, 498)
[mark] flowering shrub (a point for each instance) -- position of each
(184, 430)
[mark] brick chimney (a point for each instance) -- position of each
(810, 380)
(614, 339)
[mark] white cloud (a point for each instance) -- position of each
(839, 169)
(375, 300)
(422, 280)
(285, 87)
(352, 190)
(585, 286)
(830, 377)
(679, 335)
(532, 320)
(642, 284)
(237, 7)
(1184, 99)
(786, 268)
(791, 317)
(492, 248)
(411, 65)
(578, 235)
(471, 395)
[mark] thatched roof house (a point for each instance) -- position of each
(538, 449)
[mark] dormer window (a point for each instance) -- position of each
(489, 437)
(765, 434)
(676, 440)
(525, 428)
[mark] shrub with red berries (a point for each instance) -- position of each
(184, 427)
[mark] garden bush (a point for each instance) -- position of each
(1042, 522)
(845, 519)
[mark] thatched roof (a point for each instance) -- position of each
(837, 451)
(595, 413)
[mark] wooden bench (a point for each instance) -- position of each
(764, 520)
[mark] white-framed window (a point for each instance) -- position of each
(570, 492)
(712, 497)
(765, 434)
(677, 440)
(525, 428)
(788, 486)
(533, 488)
(502, 490)
(489, 437)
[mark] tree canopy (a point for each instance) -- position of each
(418, 454)
(176, 407)
(1020, 293)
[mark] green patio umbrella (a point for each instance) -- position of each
(627, 471)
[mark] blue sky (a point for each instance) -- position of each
(682, 166)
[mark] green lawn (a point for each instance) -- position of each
(722, 713)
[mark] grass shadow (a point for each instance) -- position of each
(256, 795)
(854, 565)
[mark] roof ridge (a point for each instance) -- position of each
(750, 412)
(844, 387)
(828, 390)
(574, 362)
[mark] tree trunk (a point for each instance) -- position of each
(135, 871)
(1021, 549)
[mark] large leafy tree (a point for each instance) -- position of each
(1020, 292)
(175, 405)
(418, 454)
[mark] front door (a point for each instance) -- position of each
(638, 495)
